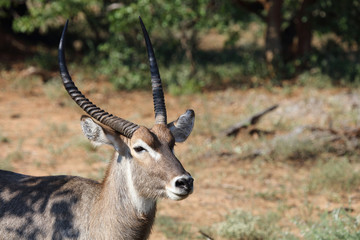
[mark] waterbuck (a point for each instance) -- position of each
(123, 205)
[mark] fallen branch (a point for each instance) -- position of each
(348, 133)
(234, 129)
(207, 237)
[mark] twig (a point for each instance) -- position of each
(207, 237)
(234, 129)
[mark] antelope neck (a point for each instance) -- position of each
(119, 183)
(119, 202)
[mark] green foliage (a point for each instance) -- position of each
(340, 65)
(4, 5)
(41, 14)
(111, 34)
(339, 17)
(177, 24)
(315, 78)
(337, 225)
(109, 37)
(179, 79)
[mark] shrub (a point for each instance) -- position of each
(337, 225)
(243, 225)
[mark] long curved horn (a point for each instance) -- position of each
(123, 126)
(158, 94)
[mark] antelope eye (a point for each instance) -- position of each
(139, 149)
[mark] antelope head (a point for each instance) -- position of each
(153, 169)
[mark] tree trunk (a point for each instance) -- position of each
(188, 44)
(296, 38)
(303, 28)
(188, 41)
(272, 38)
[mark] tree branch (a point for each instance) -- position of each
(234, 129)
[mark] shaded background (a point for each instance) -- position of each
(200, 44)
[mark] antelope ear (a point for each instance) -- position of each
(93, 131)
(99, 134)
(182, 127)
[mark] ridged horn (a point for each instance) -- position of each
(157, 90)
(120, 125)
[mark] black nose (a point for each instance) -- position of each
(185, 183)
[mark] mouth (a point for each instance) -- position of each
(177, 195)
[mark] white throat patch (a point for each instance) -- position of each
(143, 205)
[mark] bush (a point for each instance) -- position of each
(243, 225)
(338, 225)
